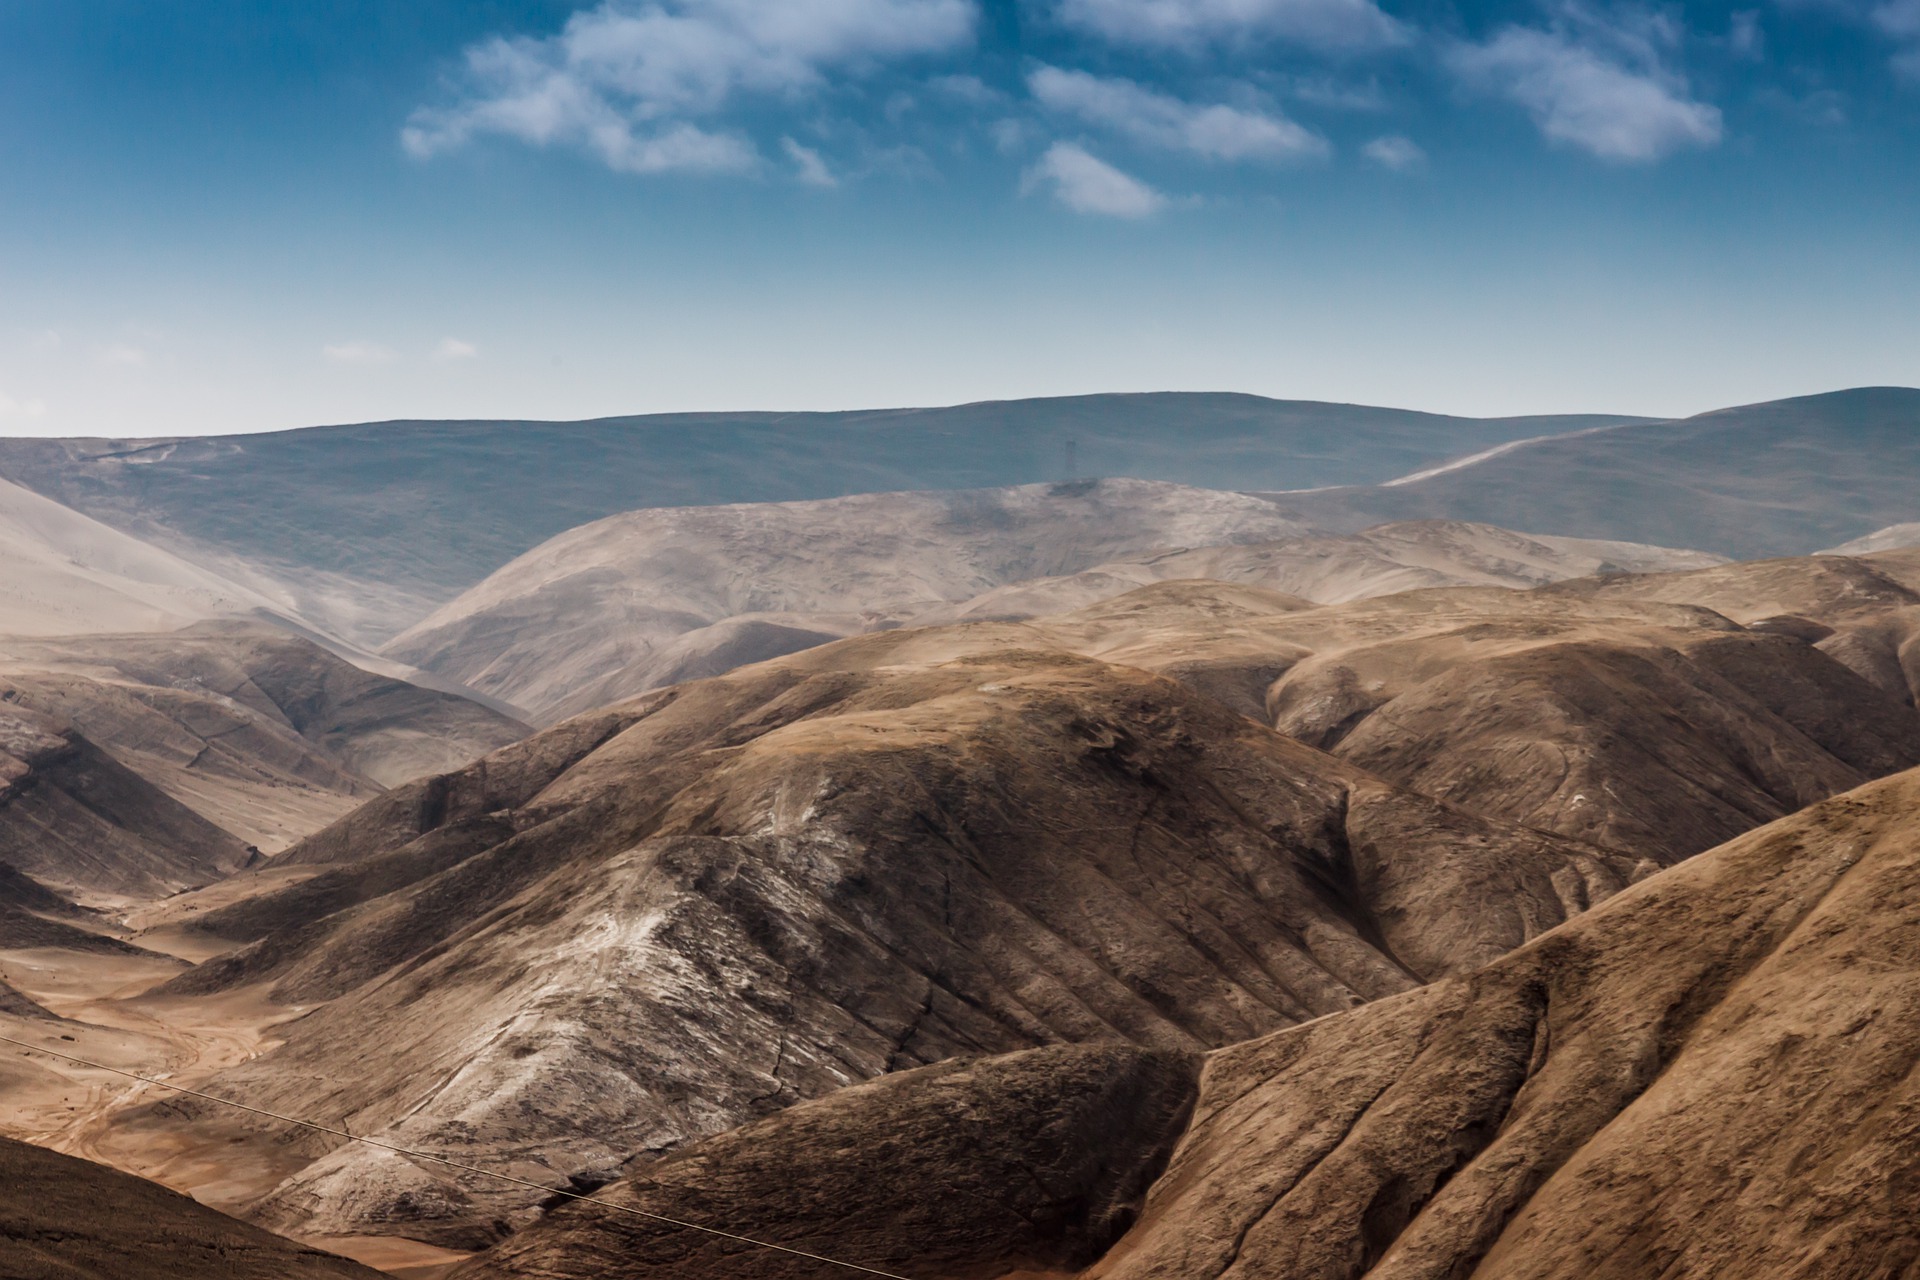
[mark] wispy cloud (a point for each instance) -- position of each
(1603, 87)
(809, 168)
(1324, 24)
(1087, 184)
(357, 353)
(628, 79)
(1402, 155)
(1215, 131)
(452, 350)
(1900, 20)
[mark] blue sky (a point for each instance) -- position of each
(229, 215)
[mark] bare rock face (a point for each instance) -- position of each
(1711, 1075)
(1035, 1162)
(68, 1219)
(650, 925)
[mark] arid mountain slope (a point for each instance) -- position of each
(79, 821)
(1863, 611)
(1778, 479)
(651, 598)
(546, 631)
(68, 1219)
(1709, 1075)
(1659, 728)
(63, 573)
(1032, 1163)
(654, 923)
(367, 528)
(1332, 570)
(265, 735)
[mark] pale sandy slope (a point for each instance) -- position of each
(656, 597)
(63, 573)
(1894, 537)
(1335, 570)
(554, 625)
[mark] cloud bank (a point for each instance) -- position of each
(1321, 24)
(1216, 132)
(1604, 89)
(631, 83)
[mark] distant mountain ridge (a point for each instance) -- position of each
(1783, 478)
(369, 527)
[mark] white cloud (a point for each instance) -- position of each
(1216, 131)
(1603, 89)
(625, 79)
(1402, 155)
(452, 349)
(1087, 184)
(808, 166)
(1324, 24)
(357, 353)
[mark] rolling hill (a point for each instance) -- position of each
(365, 529)
(1783, 478)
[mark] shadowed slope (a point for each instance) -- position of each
(261, 733)
(77, 820)
(646, 926)
(1710, 1075)
(68, 1219)
(1034, 1162)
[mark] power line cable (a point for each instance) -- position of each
(455, 1164)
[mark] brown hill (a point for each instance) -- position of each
(68, 1219)
(651, 924)
(79, 821)
(265, 734)
(650, 598)
(1032, 1163)
(546, 630)
(1710, 1075)
(1583, 708)
(1332, 570)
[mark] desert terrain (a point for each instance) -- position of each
(960, 874)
